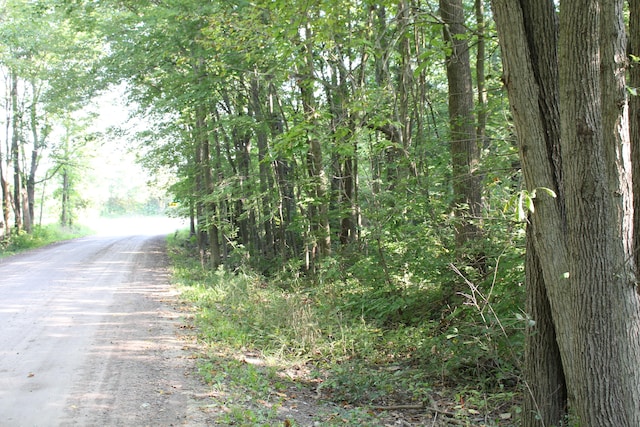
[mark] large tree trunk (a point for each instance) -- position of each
(545, 394)
(583, 237)
(634, 118)
(595, 138)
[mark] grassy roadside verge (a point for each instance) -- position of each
(277, 353)
(41, 236)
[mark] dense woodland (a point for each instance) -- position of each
(372, 145)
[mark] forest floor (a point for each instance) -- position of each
(246, 389)
(265, 358)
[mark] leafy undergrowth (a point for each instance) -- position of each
(40, 236)
(299, 354)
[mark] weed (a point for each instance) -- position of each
(354, 342)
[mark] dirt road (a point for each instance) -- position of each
(89, 337)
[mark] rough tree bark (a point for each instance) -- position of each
(581, 239)
(535, 24)
(634, 117)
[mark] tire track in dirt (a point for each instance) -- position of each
(90, 337)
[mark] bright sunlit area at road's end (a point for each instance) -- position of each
(136, 225)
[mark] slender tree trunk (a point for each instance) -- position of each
(6, 201)
(287, 241)
(348, 222)
(265, 177)
(344, 161)
(31, 190)
(405, 82)
(35, 157)
(480, 74)
(201, 219)
(245, 216)
(15, 154)
(222, 211)
(65, 218)
(421, 107)
(4, 181)
(464, 146)
(210, 210)
(27, 219)
(545, 394)
(318, 211)
(192, 218)
(42, 194)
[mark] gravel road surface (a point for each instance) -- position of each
(89, 336)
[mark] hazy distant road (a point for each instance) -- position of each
(88, 336)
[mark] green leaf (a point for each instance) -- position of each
(524, 205)
(521, 214)
(546, 190)
(549, 191)
(528, 200)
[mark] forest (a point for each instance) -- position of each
(416, 198)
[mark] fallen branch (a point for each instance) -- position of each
(397, 407)
(414, 407)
